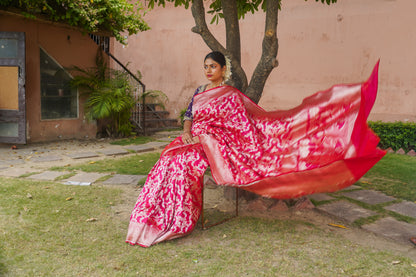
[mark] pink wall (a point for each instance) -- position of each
(319, 45)
(68, 47)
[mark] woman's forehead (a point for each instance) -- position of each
(210, 61)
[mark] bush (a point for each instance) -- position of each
(395, 134)
(182, 116)
(109, 95)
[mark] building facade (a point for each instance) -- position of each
(36, 102)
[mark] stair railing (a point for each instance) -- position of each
(138, 113)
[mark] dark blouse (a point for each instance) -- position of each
(188, 113)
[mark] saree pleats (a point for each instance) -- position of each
(170, 202)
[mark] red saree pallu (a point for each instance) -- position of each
(323, 145)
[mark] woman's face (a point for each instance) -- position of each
(213, 71)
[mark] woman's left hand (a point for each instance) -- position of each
(195, 139)
(187, 138)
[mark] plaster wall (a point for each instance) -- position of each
(68, 47)
(319, 46)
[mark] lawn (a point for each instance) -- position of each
(394, 175)
(51, 229)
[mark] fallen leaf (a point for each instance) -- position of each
(28, 195)
(92, 219)
(141, 161)
(68, 198)
(337, 225)
(92, 162)
(414, 265)
(224, 236)
(396, 262)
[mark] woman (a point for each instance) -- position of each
(323, 145)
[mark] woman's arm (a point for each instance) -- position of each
(187, 135)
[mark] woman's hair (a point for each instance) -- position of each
(217, 57)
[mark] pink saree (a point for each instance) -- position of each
(323, 145)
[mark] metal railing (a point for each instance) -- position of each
(138, 112)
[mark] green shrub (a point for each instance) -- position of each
(395, 134)
(109, 95)
(182, 116)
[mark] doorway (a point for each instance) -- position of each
(12, 88)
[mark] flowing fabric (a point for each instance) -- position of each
(322, 145)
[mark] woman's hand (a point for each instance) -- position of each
(187, 138)
(195, 139)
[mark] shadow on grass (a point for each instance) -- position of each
(3, 269)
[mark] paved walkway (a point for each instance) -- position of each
(347, 206)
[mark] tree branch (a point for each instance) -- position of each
(201, 28)
(268, 59)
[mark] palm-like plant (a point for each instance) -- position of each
(109, 95)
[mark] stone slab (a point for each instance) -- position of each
(406, 208)
(321, 197)
(47, 175)
(14, 172)
(114, 152)
(352, 187)
(82, 155)
(157, 144)
(75, 183)
(87, 177)
(12, 162)
(392, 228)
(169, 139)
(46, 159)
(346, 210)
(121, 179)
(171, 134)
(140, 148)
(368, 196)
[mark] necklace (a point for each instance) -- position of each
(215, 85)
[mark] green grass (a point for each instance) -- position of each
(47, 235)
(134, 164)
(395, 175)
(133, 140)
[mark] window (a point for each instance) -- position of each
(58, 99)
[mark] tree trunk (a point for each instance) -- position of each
(233, 44)
(268, 59)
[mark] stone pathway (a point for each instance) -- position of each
(338, 205)
(23, 161)
(346, 206)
